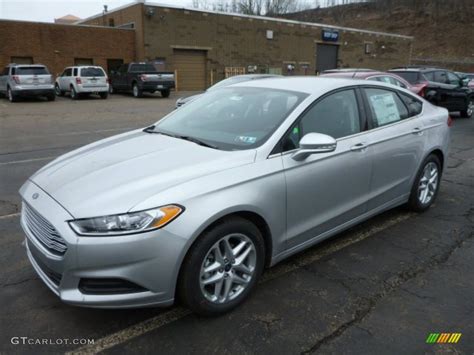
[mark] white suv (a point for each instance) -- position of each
(82, 80)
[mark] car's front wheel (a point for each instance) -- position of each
(58, 90)
(426, 185)
(222, 267)
(469, 109)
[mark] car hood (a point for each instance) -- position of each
(113, 175)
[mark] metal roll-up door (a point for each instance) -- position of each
(191, 67)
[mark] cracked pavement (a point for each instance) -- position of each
(378, 288)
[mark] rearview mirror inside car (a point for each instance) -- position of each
(313, 143)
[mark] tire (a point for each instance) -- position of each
(103, 95)
(165, 93)
(467, 113)
(74, 95)
(58, 90)
(51, 97)
(136, 91)
(202, 298)
(420, 201)
(10, 95)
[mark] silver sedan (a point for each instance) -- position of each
(197, 205)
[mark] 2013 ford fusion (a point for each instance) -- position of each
(197, 205)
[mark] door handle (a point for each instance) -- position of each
(359, 147)
(417, 130)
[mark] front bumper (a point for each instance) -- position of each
(150, 260)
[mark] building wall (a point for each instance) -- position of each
(236, 41)
(56, 45)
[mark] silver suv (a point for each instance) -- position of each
(82, 80)
(26, 80)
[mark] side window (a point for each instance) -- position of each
(429, 76)
(440, 77)
(68, 72)
(398, 83)
(75, 72)
(336, 115)
(414, 106)
(386, 106)
(453, 79)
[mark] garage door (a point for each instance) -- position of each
(191, 67)
(326, 57)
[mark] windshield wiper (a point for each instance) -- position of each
(151, 129)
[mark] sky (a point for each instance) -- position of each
(48, 10)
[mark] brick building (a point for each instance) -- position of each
(202, 46)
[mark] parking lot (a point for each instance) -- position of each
(381, 287)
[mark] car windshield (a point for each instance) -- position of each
(142, 68)
(229, 81)
(233, 118)
(92, 72)
(410, 76)
(30, 71)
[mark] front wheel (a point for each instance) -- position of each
(165, 93)
(136, 91)
(426, 185)
(467, 113)
(222, 267)
(58, 90)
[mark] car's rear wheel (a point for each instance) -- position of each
(222, 267)
(10, 95)
(74, 94)
(58, 90)
(469, 109)
(136, 90)
(51, 97)
(426, 185)
(103, 95)
(165, 93)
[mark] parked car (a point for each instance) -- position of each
(82, 80)
(26, 80)
(226, 82)
(141, 77)
(368, 74)
(199, 203)
(441, 87)
(468, 78)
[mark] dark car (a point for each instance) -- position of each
(441, 87)
(369, 74)
(139, 78)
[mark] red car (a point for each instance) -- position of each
(368, 74)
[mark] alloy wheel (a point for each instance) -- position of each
(470, 108)
(428, 183)
(228, 267)
(58, 90)
(135, 90)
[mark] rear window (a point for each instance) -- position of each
(30, 71)
(92, 72)
(410, 76)
(142, 68)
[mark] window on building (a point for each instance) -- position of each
(83, 61)
(111, 22)
(22, 60)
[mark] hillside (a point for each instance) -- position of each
(443, 30)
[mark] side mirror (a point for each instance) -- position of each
(313, 143)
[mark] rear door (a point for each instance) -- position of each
(32, 75)
(65, 79)
(327, 190)
(396, 140)
(93, 77)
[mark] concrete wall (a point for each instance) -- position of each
(57, 45)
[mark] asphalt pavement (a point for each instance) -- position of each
(379, 288)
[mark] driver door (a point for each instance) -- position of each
(326, 190)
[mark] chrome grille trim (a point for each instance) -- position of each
(43, 231)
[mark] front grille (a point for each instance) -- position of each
(54, 276)
(43, 231)
(109, 286)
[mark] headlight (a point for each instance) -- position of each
(127, 223)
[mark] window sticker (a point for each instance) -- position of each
(385, 108)
(246, 139)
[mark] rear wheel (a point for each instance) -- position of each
(74, 94)
(103, 95)
(426, 185)
(469, 109)
(136, 90)
(165, 93)
(222, 267)
(10, 95)
(58, 90)
(51, 97)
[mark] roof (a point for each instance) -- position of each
(69, 17)
(263, 18)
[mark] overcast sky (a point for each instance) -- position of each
(48, 10)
